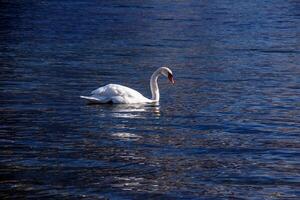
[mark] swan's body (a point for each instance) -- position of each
(114, 93)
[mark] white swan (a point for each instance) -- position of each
(114, 93)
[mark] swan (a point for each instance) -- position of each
(119, 94)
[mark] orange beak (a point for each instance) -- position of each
(171, 79)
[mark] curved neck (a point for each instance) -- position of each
(154, 86)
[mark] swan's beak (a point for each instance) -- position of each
(170, 77)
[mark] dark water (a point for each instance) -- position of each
(228, 129)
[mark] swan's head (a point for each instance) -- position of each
(167, 73)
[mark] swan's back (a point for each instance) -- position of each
(116, 94)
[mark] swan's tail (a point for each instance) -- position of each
(91, 99)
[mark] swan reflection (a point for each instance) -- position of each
(126, 136)
(128, 183)
(138, 111)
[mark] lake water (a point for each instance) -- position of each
(228, 129)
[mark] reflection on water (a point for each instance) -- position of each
(126, 136)
(228, 129)
(134, 111)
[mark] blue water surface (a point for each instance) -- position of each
(228, 129)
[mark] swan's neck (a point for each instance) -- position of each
(154, 86)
